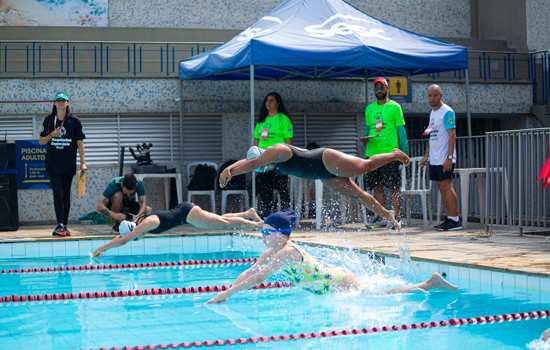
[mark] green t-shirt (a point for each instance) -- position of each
(383, 122)
(115, 185)
(275, 129)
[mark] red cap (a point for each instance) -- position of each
(380, 80)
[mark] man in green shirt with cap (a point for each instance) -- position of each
(384, 132)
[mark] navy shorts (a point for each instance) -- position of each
(388, 175)
(437, 173)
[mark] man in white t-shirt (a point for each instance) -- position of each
(441, 155)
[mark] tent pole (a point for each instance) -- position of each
(252, 131)
(468, 116)
(181, 122)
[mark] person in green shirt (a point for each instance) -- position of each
(274, 126)
(384, 132)
(119, 199)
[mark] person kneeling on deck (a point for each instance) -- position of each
(184, 213)
(118, 201)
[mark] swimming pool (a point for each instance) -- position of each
(102, 321)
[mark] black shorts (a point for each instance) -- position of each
(388, 175)
(437, 173)
(129, 206)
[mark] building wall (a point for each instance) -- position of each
(162, 95)
(538, 24)
(447, 18)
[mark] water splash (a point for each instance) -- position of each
(541, 344)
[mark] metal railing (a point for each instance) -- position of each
(116, 59)
(512, 194)
(540, 73)
(489, 66)
(109, 59)
(470, 152)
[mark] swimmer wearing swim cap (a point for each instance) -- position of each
(302, 269)
(184, 213)
(332, 167)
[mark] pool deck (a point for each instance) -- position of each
(503, 248)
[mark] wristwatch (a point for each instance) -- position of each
(450, 157)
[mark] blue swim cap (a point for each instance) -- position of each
(282, 221)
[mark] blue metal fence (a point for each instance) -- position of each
(540, 74)
(95, 59)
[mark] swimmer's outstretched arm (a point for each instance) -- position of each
(149, 223)
(274, 154)
(258, 273)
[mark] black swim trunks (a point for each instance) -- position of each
(173, 217)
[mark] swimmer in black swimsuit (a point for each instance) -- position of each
(333, 167)
(183, 213)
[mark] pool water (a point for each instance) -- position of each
(118, 322)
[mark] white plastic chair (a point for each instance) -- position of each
(416, 184)
(210, 193)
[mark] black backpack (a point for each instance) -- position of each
(203, 178)
(237, 182)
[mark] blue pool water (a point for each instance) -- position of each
(186, 318)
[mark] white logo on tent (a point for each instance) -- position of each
(326, 30)
(253, 32)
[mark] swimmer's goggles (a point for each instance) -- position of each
(268, 231)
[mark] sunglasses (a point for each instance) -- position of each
(379, 87)
(60, 100)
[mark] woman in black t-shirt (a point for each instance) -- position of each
(62, 132)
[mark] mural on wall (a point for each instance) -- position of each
(70, 13)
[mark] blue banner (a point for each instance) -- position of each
(31, 165)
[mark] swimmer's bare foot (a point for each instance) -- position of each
(437, 281)
(401, 156)
(253, 215)
(395, 225)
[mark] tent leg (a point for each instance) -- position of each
(253, 204)
(468, 116)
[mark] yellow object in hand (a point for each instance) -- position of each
(81, 184)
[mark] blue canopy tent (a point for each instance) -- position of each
(323, 39)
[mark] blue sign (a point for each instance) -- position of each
(31, 165)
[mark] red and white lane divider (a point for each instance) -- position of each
(452, 322)
(130, 293)
(131, 266)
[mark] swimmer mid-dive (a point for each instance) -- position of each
(302, 269)
(333, 167)
(183, 213)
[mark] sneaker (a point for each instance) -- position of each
(59, 231)
(67, 231)
(450, 225)
(438, 227)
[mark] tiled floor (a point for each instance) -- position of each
(503, 249)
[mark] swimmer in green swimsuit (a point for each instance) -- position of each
(301, 268)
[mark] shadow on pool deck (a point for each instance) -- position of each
(504, 248)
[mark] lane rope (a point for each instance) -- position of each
(130, 293)
(452, 322)
(147, 265)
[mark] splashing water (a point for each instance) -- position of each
(539, 344)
